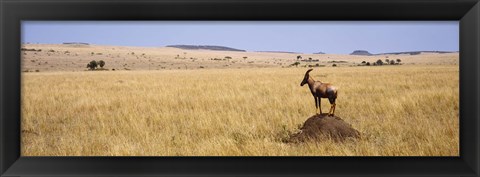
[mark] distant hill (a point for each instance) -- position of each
(364, 52)
(75, 43)
(415, 52)
(205, 47)
(360, 52)
(319, 53)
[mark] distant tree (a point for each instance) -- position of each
(364, 62)
(368, 64)
(387, 61)
(228, 57)
(101, 63)
(309, 59)
(398, 60)
(299, 57)
(334, 65)
(92, 65)
(379, 62)
(392, 62)
(245, 58)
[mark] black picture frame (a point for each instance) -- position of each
(14, 11)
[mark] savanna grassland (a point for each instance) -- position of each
(400, 110)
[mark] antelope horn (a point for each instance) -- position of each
(308, 71)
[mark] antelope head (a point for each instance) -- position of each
(305, 79)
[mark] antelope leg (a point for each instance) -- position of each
(334, 106)
(320, 104)
(330, 111)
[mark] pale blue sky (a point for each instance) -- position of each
(340, 37)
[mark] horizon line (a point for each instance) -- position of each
(264, 51)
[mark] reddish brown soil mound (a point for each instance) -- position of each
(319, 127)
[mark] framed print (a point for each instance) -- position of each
(247, 88)
(187, 100)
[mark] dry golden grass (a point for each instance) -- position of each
(402, 110)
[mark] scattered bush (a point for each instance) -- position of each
(316, 65)
(334, 61)
(101, 63)
(25, 49)
(295, 64)
(92, 65)
(334, 65)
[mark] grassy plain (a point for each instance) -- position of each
(58, 57)
(400, 110)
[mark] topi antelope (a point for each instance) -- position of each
(321, 90)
